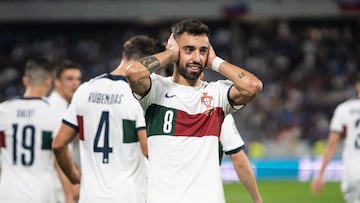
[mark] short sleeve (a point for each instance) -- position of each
(230, 138)
(70, 115)
(224, 95)
(140, 119)
(336, 123)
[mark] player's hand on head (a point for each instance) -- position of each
(173, 48)
(211, 56)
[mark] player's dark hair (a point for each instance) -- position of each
(138, 47)
(63, 65)
(191, 26)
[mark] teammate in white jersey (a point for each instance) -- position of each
(25, 140)
(112, 132)
(184, 114)
(233, 145)
(67, 78)
(345, 124)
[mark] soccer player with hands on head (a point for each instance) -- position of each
(184, 114)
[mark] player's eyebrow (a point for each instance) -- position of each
(204, 48)
(189, 47)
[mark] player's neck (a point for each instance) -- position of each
(121, 69)
(35, 92)
(63, 95)
(177, 78)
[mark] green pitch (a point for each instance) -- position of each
(285, 192)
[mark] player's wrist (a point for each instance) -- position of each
(215, 65)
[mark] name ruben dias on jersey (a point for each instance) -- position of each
(102, 98)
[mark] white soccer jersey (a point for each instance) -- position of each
(230, 139)
(25, 143)
(346, 119)
(107, 116)
(60, 105)
(183, 126)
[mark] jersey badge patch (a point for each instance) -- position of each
(207, 100)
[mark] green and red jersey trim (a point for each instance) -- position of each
(162, 120)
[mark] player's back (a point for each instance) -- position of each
(107, 115)
(27, 160)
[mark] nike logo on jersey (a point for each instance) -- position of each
(169, 96)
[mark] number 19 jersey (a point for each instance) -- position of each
(25, 148)
(107, 116)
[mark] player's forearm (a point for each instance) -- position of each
(138, 73)
(251, 186)
(68, 187)
(246, 175)
(247, 178)
(63, 158)
(144, 67)
(143, 141)
(246, 83)
(330, 150)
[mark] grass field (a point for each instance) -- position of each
(285, 192)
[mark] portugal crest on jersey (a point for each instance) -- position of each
(207, 100)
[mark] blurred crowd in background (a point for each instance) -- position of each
(307, 67)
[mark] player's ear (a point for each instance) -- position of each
(48, 82)
(56, 82)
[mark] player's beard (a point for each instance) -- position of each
(189, 75)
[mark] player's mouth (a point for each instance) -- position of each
(194, 67)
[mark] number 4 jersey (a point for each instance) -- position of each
(26, 158)
(107, 116)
